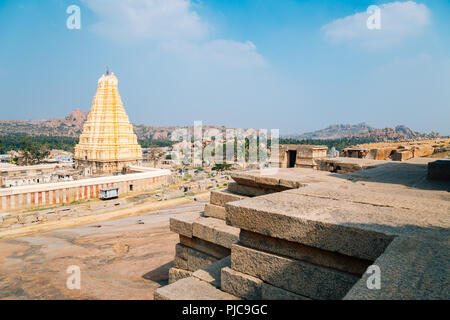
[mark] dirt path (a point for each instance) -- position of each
(126, 258)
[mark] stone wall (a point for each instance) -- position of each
(67, 192)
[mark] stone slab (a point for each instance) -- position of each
(212, 273)
(182, 223)
(240, 284)
(405, 176)
(191, 259)
(304, 253)
(215, 231)
(220, 198)
(282, 178)
(251, 288)
(415, 200)
(215, 211)
(248, 191)
(191, 289)
(409, 269)
(292, 275)
(402, 155)
(209, 248)
(354, 229)
(176, 274)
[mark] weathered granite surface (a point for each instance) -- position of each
(176, 274)
(191, 289)
(220, 198)
(207, 247)
(182, 224)
(283, 179)
(189, 259)
(409, 269)
(212, 272)
(248, 190)
(215, 231)
(299, 251)
(339, 224)
(293, 275)
(215, 211)
(251, 288)
(240, 284)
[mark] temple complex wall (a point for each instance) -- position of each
(67, 192)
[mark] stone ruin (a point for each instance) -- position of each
(306, 234)
(393, 152)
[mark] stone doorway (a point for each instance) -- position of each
(292, 156)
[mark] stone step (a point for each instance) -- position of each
(215, 231)
(358, 193)
(182, 223)
(299, 277)
(191, 289)
(218, 212)
(190, 259)
(354, 229)
(248, 191)
(176, 274)
(206, 228)
(251, 288)
(220, 198)
(212, 273)
(301, 252)
(207, 247)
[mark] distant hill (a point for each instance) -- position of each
(363, 130)
(72, 126)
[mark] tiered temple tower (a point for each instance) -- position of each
(107, 144)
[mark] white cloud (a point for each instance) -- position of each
(399, 21)
(149, 19)
(222, 52)
(174, 26)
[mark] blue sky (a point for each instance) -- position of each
(293, 65)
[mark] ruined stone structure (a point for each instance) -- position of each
(107, 143)
(389, 152)
(301, 156)
(304, 234)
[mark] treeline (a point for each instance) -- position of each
(152, 143)
(22, 141)
(339, 144)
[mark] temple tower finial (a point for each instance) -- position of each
(107, 70)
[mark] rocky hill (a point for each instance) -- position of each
(72, 125)
(363, 130)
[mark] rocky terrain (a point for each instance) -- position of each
(72, 125)
(363, 130)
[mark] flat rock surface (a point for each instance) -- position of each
(212, 273)
(126, 258)
(359, 224)
(282, 178)
(191, 289)
(215, 231)
(409, 269)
